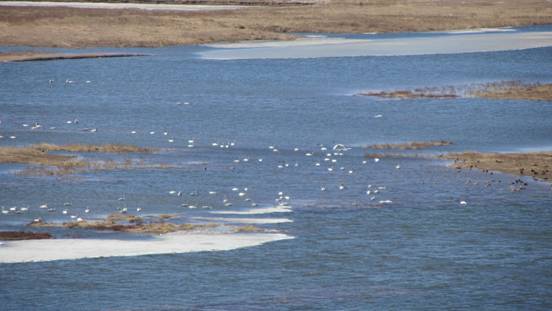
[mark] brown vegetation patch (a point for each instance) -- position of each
(415, 145)
(537, 164)
(495, 90)
(70, 27)
(126, 223)
(47, 164)
(21, 235)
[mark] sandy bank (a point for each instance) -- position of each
(178, 242)
(38, 56)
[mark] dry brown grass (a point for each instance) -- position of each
(537, 164)
(515, 90)
(248, 229)
(415, 145)
(64, 27)
(38, 56)
(30, 155)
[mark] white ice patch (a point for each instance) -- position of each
(178, 242)
(259, 221)
(336, 47)
(257, 211)
(480, 30)
(119, 6)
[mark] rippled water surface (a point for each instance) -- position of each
(421, 251)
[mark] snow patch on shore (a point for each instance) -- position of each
(172, 243)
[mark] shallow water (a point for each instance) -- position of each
(422, 251)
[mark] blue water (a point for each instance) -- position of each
(423, 251)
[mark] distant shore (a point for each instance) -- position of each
(263, 20)
(37, 56)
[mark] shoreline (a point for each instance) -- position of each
(45, 56)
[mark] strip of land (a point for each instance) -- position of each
(40, 56)
(414, 145)
(537, 165)
(74, 27)
(536, 91)
(496, 90)
(45, 163)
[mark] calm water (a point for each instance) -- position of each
(422, 251)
